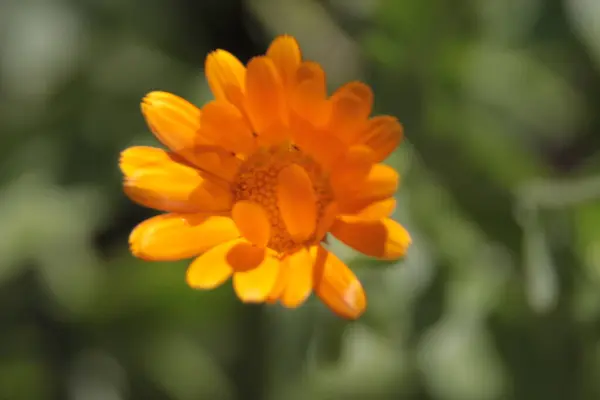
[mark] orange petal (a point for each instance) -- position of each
(215, 160)
(309, 94)
(176, 123)
(324, 224)
(252, 221)
(173, 120)
(374, 211)
(224, 125)
(297, 202)
(336, 285)
(157, 179)
(380, 184)
(255, 285)
(274, 135)
(354, 166)
(385, 239)
(382, 134)
(350, 107)
(178, 236)
(226, 76)
(324, 147)
(299, 272)
(285, 53)
(265, 101)
(212, 268)
(244, 256)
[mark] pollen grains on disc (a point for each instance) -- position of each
(258, 179)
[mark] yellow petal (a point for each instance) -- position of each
(336, 285)
(299, 272)
(252, 221)
(382, 134)
(374, 211)
(297, 202)
(385, 239)
(351, 105)
(157, 179)
(280, 284)
(212, 268)
(224, 125)
(353, 167)
(255, 285)
(265, 101)
(309, 94)
(226, 76)
(324, 224)
(217, 264)
(285, 53)
(178, 236)
(380, 184)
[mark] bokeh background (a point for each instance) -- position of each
(498, 298)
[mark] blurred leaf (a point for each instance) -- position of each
(24, 378)
(458, 362)
(585, 18)
(184, 369)
(542, 281)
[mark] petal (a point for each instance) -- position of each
(224, 125)
(329, 215)
(255, 285)
(385, 239)
(226, 76)
(216, 161)
(211, 269)
(280, 284)
(205, 273)
(274, 135)
(177, 236)
(374, 211)
(176, 123)
(382, 134)
(157, 179)
(285, 53)
(350, 107)
(336, 285)
(252, 221)
(217, 264)
(354, 166)
(324, 147)
(380, 184)
(299, 272)
(173, 120)
(297, 202)
(244, 256)
(309, 94)
(265, 101)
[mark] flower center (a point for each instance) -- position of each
(257, 181)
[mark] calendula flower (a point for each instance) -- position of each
(254, 181)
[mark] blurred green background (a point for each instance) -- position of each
(499, 297)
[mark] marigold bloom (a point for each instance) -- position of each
(253, 182)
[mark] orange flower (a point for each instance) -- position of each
(253, 182)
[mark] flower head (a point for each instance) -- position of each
(254, 181)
